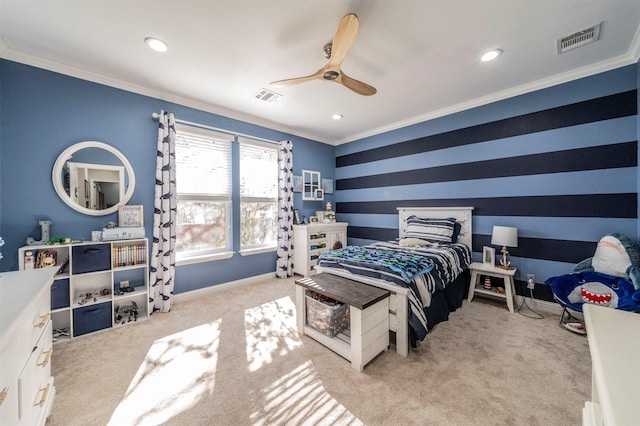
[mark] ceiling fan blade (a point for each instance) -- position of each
(343, 40)
(291, 81)
(355, 85)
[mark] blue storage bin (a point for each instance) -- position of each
(60, 294)
(91, 318)
(91, 258)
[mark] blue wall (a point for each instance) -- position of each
(559, 164)
(43, 113)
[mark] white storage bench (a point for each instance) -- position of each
(368, 333)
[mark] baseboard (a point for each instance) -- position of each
(216, 288)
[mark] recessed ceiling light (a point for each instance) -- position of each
(491, 55)
(337, 116)
(155, 44)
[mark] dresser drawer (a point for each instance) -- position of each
(26, 342)
(34, 381)
(32, 324)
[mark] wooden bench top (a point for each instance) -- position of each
(353, 293)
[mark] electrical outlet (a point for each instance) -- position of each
(531, 281)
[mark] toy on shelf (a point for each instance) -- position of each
(45, 229)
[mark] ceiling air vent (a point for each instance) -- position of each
(578, 39)
(267, 96)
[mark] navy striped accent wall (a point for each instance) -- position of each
(560, 164)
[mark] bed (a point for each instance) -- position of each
(432, 292)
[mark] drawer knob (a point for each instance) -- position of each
(45, 394)
(46, 358)
(44, 319)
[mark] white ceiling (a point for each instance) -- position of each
(422, 56)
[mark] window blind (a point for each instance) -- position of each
(203, 161)
(258, 169)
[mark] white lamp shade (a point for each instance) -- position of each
(505, 236)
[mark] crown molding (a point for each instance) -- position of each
(37, 62)
(3, 47)
(631, 57)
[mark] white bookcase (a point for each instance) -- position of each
(91, 291)
(310, 241)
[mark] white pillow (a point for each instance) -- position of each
(412, 242)
(430, 229)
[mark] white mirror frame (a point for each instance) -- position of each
(59, 165)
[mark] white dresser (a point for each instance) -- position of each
(26, 386)
(310, 241)
(614, 343)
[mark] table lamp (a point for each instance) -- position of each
(505, 236)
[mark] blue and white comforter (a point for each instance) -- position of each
(424, 270)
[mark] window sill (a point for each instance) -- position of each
(205, 258)
(260, 250)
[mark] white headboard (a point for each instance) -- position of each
(461, 214)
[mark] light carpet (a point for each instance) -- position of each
(234, 358)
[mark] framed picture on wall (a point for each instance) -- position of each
(488, 255)
(327, 186)
(130, 216)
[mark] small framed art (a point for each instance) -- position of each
(297, 220)
(313, 219)
(130, 216)
(327, 186)
(488, 255)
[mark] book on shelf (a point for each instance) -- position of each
(129, 254)
(40, 259)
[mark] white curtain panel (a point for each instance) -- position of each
(163, 255)
(284, 264)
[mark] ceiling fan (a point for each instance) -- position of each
(336, 52)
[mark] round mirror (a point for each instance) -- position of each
(93, 178)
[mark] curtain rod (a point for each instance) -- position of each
(156, 116)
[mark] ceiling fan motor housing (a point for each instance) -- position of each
(330, 75)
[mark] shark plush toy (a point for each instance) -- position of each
(616, 255)
(610, 278)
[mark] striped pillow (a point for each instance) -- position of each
(434, 230)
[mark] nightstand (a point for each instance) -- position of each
(475, 287)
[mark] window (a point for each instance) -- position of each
(258, 194)
(203, 183)
(207, 199)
